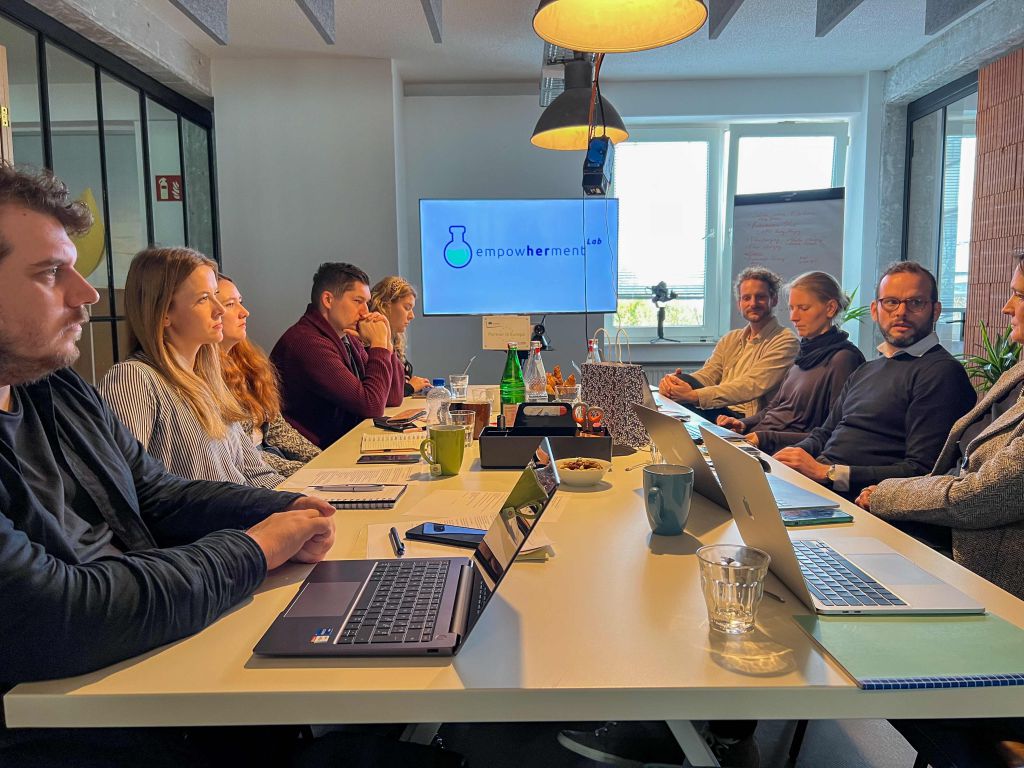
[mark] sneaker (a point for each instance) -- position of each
(630, 745)
(733, 753)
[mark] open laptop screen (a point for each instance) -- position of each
(517, 516)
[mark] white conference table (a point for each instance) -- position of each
(611, 628)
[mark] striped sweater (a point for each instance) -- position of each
(170, 432)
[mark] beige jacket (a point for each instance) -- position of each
(984, 504)
(744, 372)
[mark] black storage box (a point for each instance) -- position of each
(513, 448)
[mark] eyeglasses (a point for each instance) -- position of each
(913, 305)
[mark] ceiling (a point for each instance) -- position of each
(493, 40)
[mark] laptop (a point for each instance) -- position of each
(411, 606)
(676, 445)
(853, 576)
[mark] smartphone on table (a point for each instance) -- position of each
(453, 535)
(389, 458)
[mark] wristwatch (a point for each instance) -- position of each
(830, 476)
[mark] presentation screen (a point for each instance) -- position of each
(519, 257)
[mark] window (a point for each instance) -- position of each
(941, 150)
(666, 225)
(669, 181)
(117, 138)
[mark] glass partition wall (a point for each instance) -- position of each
(139, 155)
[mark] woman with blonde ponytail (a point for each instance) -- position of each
(395, 298)
(170, 391)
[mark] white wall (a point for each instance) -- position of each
(306, 174)
(479, 146)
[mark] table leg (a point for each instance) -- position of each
(697, 751)
(420, 733)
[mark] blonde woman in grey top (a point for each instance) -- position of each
(170, 392)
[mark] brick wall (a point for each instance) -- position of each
(997, 228)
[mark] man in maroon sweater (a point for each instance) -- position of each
(337, 363)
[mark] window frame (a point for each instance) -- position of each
(723, 154)
(936, 101)
(714, 136)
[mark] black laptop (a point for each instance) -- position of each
(411, 606)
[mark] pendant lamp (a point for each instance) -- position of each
(617, 26)
(565, 122)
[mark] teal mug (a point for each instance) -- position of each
(667, 492)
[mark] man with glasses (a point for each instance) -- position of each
(894, 413)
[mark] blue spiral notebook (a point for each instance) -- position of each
(885, 653)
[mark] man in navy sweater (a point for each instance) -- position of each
(894, 413)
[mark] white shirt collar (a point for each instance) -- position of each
(917, 349)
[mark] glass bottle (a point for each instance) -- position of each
(513, 389)
(536, 378)
(593, 352)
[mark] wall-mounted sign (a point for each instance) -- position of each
(168, 189)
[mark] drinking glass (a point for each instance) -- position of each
(458, 383)
(466, 420)
(732, 577)
(568, 394)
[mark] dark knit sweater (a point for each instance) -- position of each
(330, 384)
(893, 416)
(803, 401)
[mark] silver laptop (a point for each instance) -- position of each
(855, 576)
(411, 606)
(677, 446)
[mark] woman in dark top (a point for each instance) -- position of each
(395, 298)
(825, 360)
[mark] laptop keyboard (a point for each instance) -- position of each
(835, 581)
(399, 604)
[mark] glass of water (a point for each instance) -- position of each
(466, 420)
(458, 383)
(732, 577)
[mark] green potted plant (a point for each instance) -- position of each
(995, 359)
(853, 312)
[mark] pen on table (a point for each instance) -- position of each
(396, 542)
(350, 487)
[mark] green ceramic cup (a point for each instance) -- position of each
(444, 449)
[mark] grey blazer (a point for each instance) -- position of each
(984, 504)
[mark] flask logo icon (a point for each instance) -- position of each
(457, 252)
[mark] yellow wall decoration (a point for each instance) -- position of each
(90, 244)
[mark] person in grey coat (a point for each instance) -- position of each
(977, 484)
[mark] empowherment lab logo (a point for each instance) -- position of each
(457, 253)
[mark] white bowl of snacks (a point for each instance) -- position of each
(582, 472)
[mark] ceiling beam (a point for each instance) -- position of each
(211, 16)
(720, 13)
(941, 13)
(432, 9)
(321, 15)
(830, 13)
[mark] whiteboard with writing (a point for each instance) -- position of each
(789, 233)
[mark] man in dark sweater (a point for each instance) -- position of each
(894, 413)
(103, 554)
(337, 363)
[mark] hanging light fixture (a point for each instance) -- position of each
(617, 26)
(565, 124)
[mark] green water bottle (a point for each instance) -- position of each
(513, 389)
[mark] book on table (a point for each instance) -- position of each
(391, 442)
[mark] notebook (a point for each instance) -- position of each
(388, 442)
(383, 496)
(883, 653)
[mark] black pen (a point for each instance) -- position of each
(396, 542)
